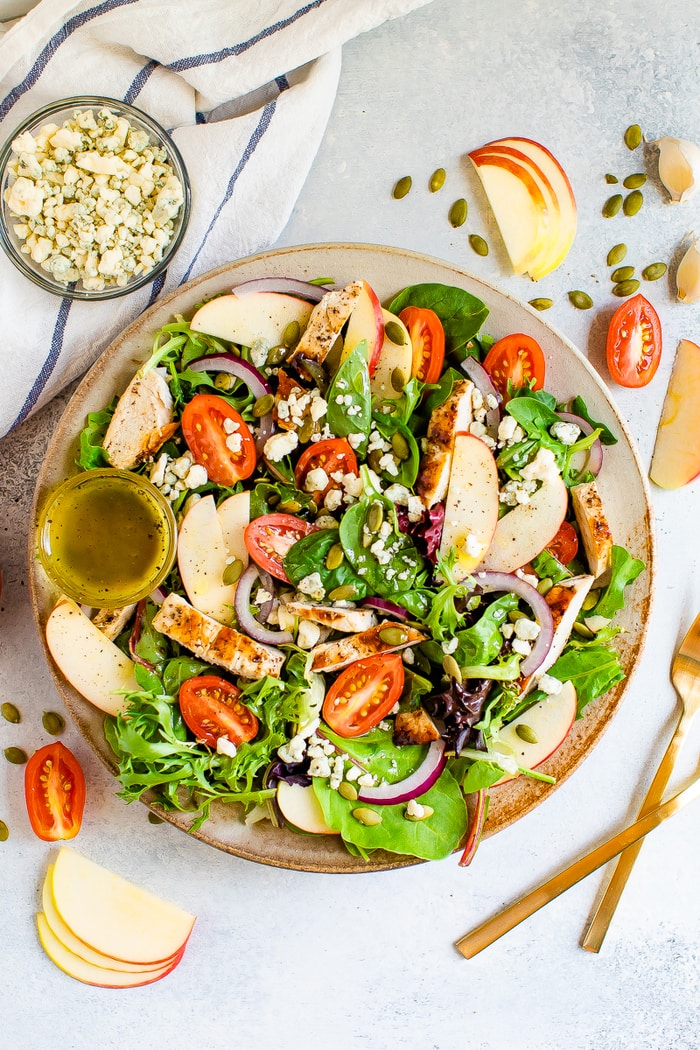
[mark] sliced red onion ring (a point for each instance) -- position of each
(136, 635)
(284, 286)
(482, 381)
(508, 581)
(246, 620)
(158, 595)
(269, 584)
(382, 605)
(412, 786)
(254, 380)
(595, 453)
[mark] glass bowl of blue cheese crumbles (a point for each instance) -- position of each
(94, 198)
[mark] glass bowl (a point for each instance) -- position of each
(87, 210)
(107, 537)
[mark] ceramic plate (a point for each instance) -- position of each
(622, 483)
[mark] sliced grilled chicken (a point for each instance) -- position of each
(142, 421)
(327, 318)
(113, 621)
(564, 600)
(595, 531)
(349, 620)
(414, 727)
(446, 421)
(333, 656)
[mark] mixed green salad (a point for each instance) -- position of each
(395, 585)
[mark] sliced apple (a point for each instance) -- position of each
(392, 357)
(114, 916)
(527, 529)
(88, 659)
(471, 504)
(208, 539)
(301, 809)
(243, 319)
(548, 724)
(676, 458)
(366, 322)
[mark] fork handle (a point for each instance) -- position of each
(595, 934)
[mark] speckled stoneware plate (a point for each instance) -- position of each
(622, 483)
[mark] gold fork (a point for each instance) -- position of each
(685, 675)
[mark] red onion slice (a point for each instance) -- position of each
(284, 286)
(158, 595)
(482, 381)
(412, 786)
(594, 460)
(136, 635)
(489, 582)
(246, 620)
(382, 605)
(254, 380)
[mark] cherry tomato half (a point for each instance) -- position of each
(228, 454)
(428, 342)
(332, 455)
(564, 546)
(363, 694)
(517, 359)
(269, 537)
(211, 709)
(633, 348)
(54, 791)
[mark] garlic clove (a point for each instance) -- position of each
(688, 275)
(679, 167)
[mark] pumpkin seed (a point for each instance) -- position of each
(348, 791)
(263, 405)
(581, 300)
(395, 333)
(275, 356)
(541, 304)
(583, 631)
(617, 254)
(53, 723)
(273, 499)
(290, 506)
(400, 446)
(590, 600)
(4, 831)
(611, 179)
(545, 585)
(625, 288)
(633, 182)
(452, 668)
(153, 818)
(393, 636)
(622, 273)
(478, 244)
(654, 271)
(15, 755)
(526, 733)
(612, 205)
(10, 713)
(343, 593)
(223, 381)
(398, 380)
(373, 460)
(369, 817)
(402, 187)
(633, 202)
(291, 334)
(437, 180)
(232, 572)
(375, 517)
(306, 430)
(633, 136)
(335, 557)
(458, 213)
(425, 812)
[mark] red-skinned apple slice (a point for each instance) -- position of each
(209, 538)
(365, 322)
(301, 809)
(676, 458)
(549, 722)
(392, 356)
(243, 319)
(527, 529)
(471, 504)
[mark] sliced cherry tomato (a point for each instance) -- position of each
(517, 359)
(269, 537)
(564, 546)
(428, 342)
(228, 454)
(332, 455)
(363, 694)
(54, 790)
(211, 709)
(634, 343)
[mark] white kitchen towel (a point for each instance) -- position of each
(245, 87)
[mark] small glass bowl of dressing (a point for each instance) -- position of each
(107, 538)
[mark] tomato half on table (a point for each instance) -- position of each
(428, 342)
(211, 709)
(54, 791)
(269, 538)
(363, 694)
(633, 349)
(564, 546)
(516, 359)
(332, 455)
(227, 451)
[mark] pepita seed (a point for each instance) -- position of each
(622, 273)
(437, 180)
(263, 405)
(612, 205)
(223, 381)
(395, 333)
(393, 636)
(633, 202)
(581, 300)
(275, 356)
(153, 818)
(4, 831)
(617, 254)
(458, 213)
(347, 791)
(290, 506)
(425, 812)
(398, 380)
(633, 136)
(654, 271)
(306, 430)
(15, 755)
(545, 585)
(478, 244)
(402, 187)
(343, 593)
(515, 614)
(611, 179)
(400, 446)
(583, 631)
(452, 668)
(335, 557)
(590, 600)
(633, 182)
(291, 334)
(625, 288)
(369, 817)
(375, 517)
(273, 499)
(526, 733)
(541, 304)
(373, 459)
(10, 713)
(53, 723)
(232, 572)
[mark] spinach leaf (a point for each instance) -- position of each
(482, 642)
(536, 417)
(578, 407)
(308, 555)
(405, 405)
(391, 563)
(92, 435)
(461, 313)
(591, 668)
(349, 397)
(480, 774)
(624, 569)
(407, 471)
(269, 497)
(180, 669)
(440, 392)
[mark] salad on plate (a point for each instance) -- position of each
(395, 585)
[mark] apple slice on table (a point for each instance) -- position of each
(365, 322)
(676, 458)
(243, 319)
(392, 356)
(527, 529)
(209, 538)
(87, 658)
(471, 504)
(301, 809)
(548, 724)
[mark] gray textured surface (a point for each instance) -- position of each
(367, 961)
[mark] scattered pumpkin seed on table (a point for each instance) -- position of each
(10, 713)
(4, 831)
(611, 179)
(633, 202)
(437, 180)
(53, 723)
(633, 182)
(478, 244)
(612, 206)
(581, 300)
(402, 187)
(654, 271)
(625, 288)
(15, 755)
(458, 213)
(541, 304)
(622, 273)
(153, 818)
(633, 136)
(617, 254)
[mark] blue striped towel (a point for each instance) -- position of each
(234, 80)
